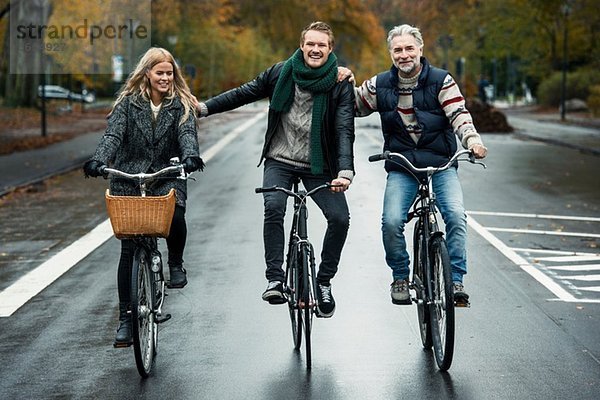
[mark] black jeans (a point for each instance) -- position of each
(175, 246)
(333, 205)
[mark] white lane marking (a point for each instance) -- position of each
(541, 216)
(539, 232)
(585, 267)
(582, 301)
(32, 283)
(225, 140)
(588, 278)
(591, 257)
(539, 276)
(29, 285)
(561, 252)
(590, 289)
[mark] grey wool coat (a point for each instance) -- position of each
(134, 143)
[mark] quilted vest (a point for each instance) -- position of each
(437, 142)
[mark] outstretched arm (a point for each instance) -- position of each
(259, 88)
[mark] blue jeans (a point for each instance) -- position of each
(400, 192)
(332, 204)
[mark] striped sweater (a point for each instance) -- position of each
(450, 98)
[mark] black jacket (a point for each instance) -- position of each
(338, 127)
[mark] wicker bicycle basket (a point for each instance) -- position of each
(133, 216)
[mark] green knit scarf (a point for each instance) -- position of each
(317, 81)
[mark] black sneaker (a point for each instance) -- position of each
(325, 301)
(274, 293)
(178, 277)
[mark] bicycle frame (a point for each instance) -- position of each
(299, 235)
(425, 210)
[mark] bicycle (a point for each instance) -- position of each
(300, 276)
(431, 272)
(143, 219)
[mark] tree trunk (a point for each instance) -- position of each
(22, 77)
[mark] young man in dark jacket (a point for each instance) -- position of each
(310, 135)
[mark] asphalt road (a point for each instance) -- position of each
(522, 338)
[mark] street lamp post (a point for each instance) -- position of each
(566, 10)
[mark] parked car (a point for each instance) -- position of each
(59, 92)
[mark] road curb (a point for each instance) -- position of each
(582, 149)
(63, 170)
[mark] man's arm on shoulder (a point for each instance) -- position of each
(366, 97)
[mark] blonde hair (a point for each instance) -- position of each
(321, 27)
(138, 82)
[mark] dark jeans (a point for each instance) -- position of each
(175, 246)
(333, 205)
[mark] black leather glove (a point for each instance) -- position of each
(93, 168)
(192, 164)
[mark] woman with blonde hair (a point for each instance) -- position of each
(153, 120)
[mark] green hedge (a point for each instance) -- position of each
(579, 85)
(593, 100)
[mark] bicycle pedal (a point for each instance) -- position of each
(462, 304)
(277, 301)
(120, 345)
(159, 320)
(406, 302)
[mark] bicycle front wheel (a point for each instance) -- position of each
(442, 303)
(294, 297)
(142, 316)
(419, 280)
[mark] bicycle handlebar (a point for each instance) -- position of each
(387, 155)
(292, 193)
(178, 168)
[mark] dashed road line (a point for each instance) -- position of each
(589, 278)
(535, 273)
(540, 232)
(538, 216)
(576, 268)
(536, 268)
(575, 258)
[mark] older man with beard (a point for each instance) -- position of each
(422, 112)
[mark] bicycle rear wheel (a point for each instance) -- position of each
(308, 302)
(144, 330)
(294, 297)
(442, 303)
(419, 280)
